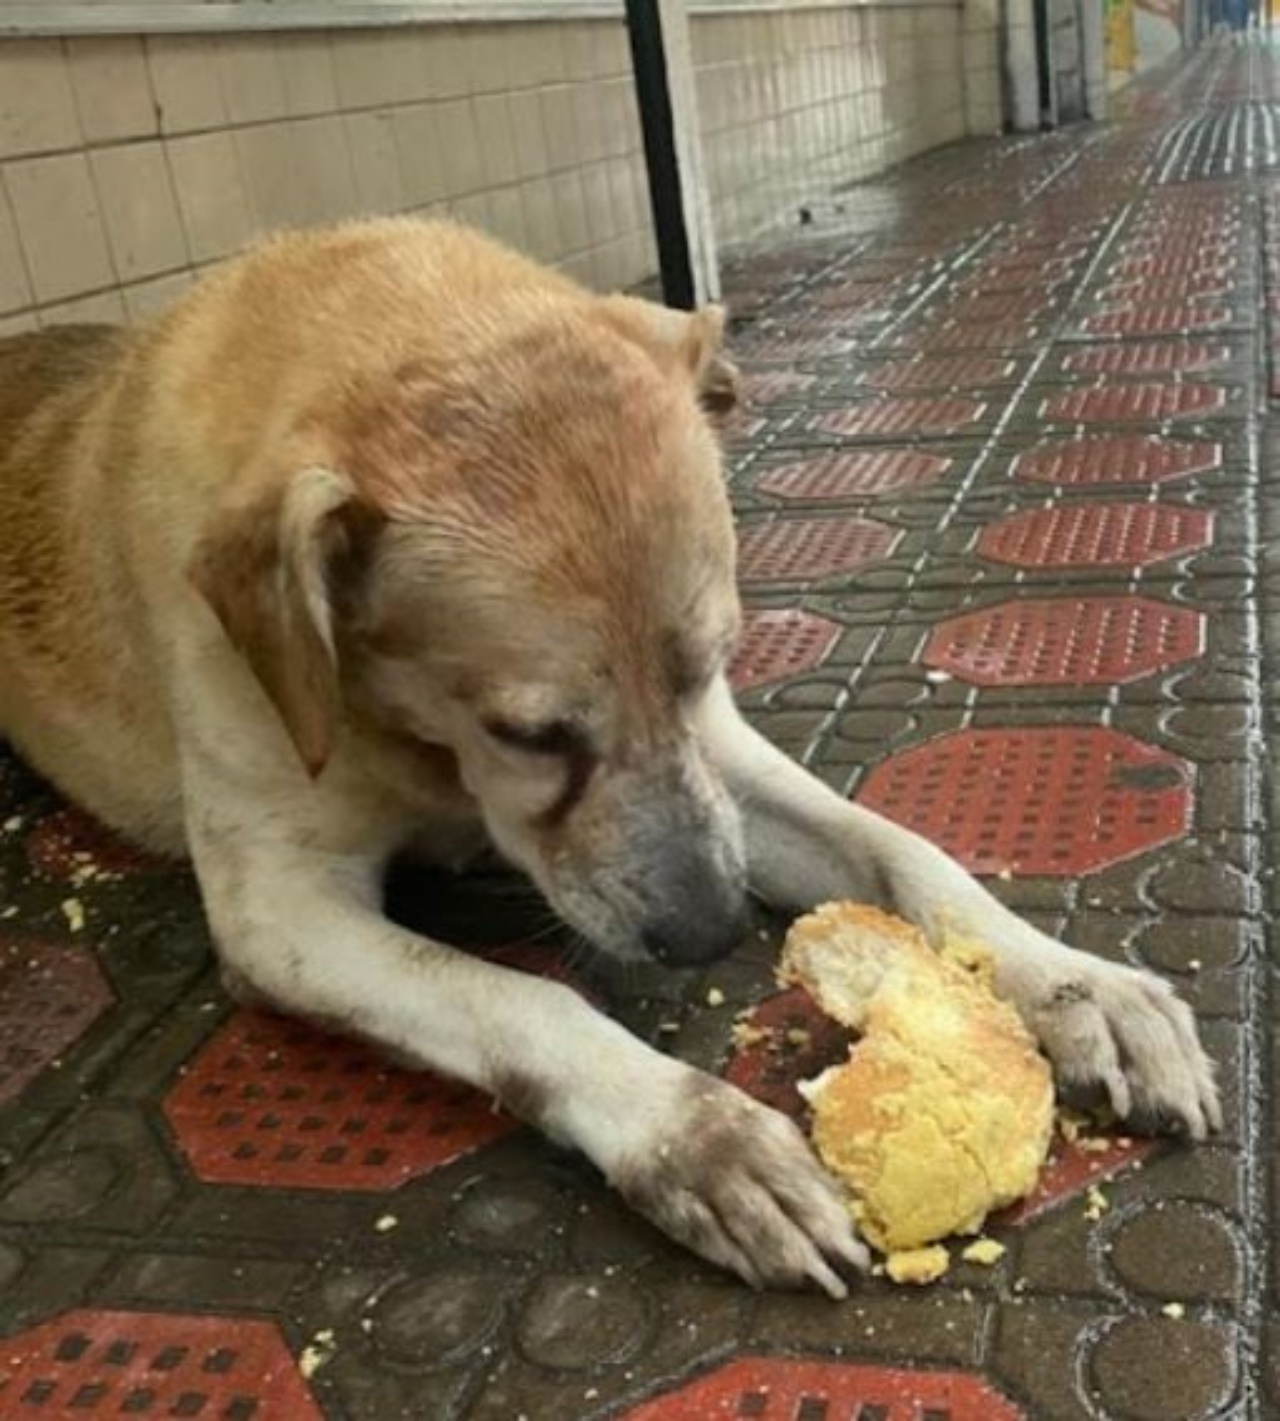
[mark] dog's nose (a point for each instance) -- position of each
(687, 934)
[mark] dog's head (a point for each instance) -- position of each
(521, 552)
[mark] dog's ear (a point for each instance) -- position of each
(692, 341)
(268, 566)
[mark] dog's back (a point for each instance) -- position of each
(71, 681)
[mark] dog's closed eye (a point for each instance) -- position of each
(554, 737)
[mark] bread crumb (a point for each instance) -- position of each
(1096, 1204)
(745, 1036)
(715, 997)
(1070, 1125)
(386, 1223)
(1177, 1311)
(984, 1251)
(918, 1265)
(73, 911)
(317, 1352)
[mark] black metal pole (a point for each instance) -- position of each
(666, 198)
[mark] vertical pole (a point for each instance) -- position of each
(1093, 57)
(1022, 80)
(661, 56)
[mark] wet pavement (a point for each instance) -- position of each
(1005, 501)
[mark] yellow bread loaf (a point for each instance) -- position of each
(944, 1110)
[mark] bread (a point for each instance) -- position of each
(944, 1110)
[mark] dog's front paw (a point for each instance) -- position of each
(1128, 1032)
(737, 1182)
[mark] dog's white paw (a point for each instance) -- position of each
(737, 1182)
(1127, 1031)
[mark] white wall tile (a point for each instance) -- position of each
(140, 209)
(59, 226)
(112, 87)
(37, 109)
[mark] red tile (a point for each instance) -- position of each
(1163, 358)
(941, 372)
(51, 993)
(783, 347)
(742, 428)
(1045, 261)
(787, 1039)
(1097, 535)
(1048, 800)
(854, 475)
(1214, 244)
(1107, 459)
(1065, 641)
(765, 389)
(69, 844)
(1152, 264)
(777, 644)
(1149, 290)
(1070, 1171)
(853, 295)
(990, 305)
(791, 1389)
(1171, 319)
(95, 1363)
(906, 415)
(980, 335)
(807, 549)
(274, 1102)
(1149, 402)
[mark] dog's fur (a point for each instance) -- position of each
(385, 536)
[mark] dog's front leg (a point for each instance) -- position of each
(1099, 1022)
(300, 925)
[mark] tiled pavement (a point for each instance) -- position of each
(1005, 495)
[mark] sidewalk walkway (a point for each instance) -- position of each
(1004, 490)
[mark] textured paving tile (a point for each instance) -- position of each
(1005, 503)
(1111, 535)
(1065, 641)
(271, 1102)
(50, 994)
(1164, 358)
(832, 477)
(1117, 459)
(982, 795)
(779, 645)
(101, 1363)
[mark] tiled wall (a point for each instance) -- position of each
(128, 163)
(794, 101)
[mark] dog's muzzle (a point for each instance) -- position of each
(699, 911)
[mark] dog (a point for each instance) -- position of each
(386, 539)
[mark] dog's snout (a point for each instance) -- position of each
(677, 940)
(701, 916)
